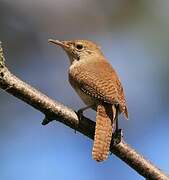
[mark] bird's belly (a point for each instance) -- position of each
(86, 98)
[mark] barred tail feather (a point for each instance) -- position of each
(103, 132)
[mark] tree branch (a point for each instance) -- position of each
(54, 110)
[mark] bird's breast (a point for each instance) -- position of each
(85, 98)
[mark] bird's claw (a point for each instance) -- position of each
(117, 137)
(80, 115)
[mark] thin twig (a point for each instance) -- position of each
(54, 110)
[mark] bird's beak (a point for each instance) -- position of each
(60, 43)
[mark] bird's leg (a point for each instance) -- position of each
(80, 112)
(118, 132)
(116, 121)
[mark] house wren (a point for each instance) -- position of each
(98, 85)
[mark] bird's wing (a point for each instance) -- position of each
(100, 81)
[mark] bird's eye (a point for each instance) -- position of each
(79, 46)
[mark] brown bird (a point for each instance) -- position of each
(98, 85)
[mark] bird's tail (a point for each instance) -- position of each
(105, 126)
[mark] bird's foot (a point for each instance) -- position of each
(117, 136)
(80, 115)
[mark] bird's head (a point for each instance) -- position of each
(78, 49)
